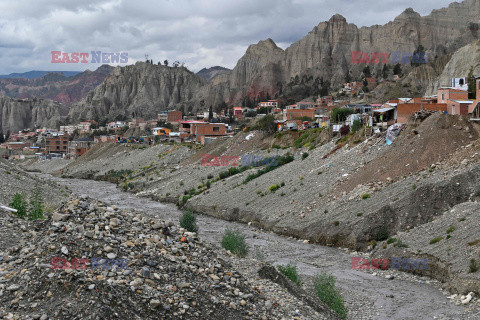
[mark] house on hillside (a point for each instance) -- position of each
(474, 108)
(160, 131)
(78, 147)
(292, 114)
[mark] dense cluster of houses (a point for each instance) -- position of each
(452, 99)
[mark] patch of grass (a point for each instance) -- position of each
(435, 240)
(451, 229)
(324, 285)
(391, 240)
(234, 241)
(365, 196)
(400, 244)
(414, 187)
(186, 198)
(189, 221)
(475, 242)
(274, 187)
(181, 183)
(290, 271)
(473, 265)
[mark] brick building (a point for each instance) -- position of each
(57, 143)
(174, 116)
(292, 114)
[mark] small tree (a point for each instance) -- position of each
(189, 221)
(36, 206)
(267, 124)
(165, 62)
(472, 85)
(366, 71)
(397, 69)
(20, 204)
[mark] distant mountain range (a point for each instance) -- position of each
(37, 74)
(59, 87)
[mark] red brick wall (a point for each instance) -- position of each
(405, 110)
(174, 116)
(296, 113)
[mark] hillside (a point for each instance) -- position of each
(342, 195)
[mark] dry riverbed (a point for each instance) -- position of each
(376, 294)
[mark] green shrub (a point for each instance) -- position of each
(359, 214)
(234, 241)
(336, 223)
(451, 229)
(436, 239)
(20, 204)
(274, 187)
(381, 234)
(400, 244)
(181, 183)
(282, 184)
(276, 146)
(462, 219)
(304, 155)
(320, 172)
(210, 176)
(186, 198)
(473, 266)
(414, 187)
(324, 285)
(365, 196)
(290, 271)
(391, 240)
(36, 206)
(189, 221)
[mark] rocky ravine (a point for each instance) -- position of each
(328, 197)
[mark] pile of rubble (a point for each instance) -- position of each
(89, 260)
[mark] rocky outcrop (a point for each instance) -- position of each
(55, 86)
(18, 114)
(326, 50)
(210, 73)
(458, 66)
(141, 90)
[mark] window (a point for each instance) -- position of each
(461, 82)
(216, 129)
(443, 96)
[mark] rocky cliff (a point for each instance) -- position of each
(18, 114)
(139, 90)
(458, 66)
(210, 73)
(326, 50)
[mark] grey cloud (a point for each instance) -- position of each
(200, 32)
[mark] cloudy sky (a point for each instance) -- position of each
(201, 33)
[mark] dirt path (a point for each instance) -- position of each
(367, 296)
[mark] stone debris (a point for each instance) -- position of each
(174, 276)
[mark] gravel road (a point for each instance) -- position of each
(368, 295)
